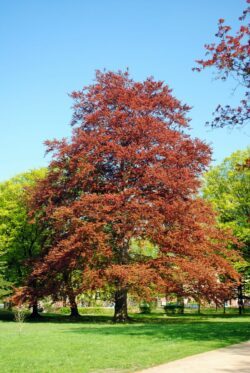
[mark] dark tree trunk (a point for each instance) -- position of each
(34, 304)
(240, 299)
(180, 302)
(64, 301)
(34, 314)
(199, 308)
(73, 305)
(71, 295)
(121, 307)
(74, 312)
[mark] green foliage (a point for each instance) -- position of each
(172, 308)
(145, 308)
(5, 286)
(227, 187)
(143, 247)
(64, 311)
(19, 239)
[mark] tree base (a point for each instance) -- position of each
(74, 313)
(121, 319)
(34, 314)
(121, 309)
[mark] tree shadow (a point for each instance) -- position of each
(87, 318)
(157, 327)
(226, 332)
(8, 316)
(152, 319)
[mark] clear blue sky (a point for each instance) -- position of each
(51, 47)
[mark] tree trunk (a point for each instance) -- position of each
(65, 301)
(180, 302)
(71, 295)
(73, 305)
(240, 299)
(199, 308)
(7, 306)
(121, 307)
(34, 314)
(74, 312)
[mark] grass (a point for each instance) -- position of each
(95, 344)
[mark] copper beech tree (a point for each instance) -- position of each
(230, 57)
(128, 174)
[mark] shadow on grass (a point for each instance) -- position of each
(185, 317)
(225, 329)
(9, 316)
(229, 332)
(153, 318)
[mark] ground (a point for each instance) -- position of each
(231, 359)
(95, 344)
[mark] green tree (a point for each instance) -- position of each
(20, 240)
(5, 286)
(227, 187)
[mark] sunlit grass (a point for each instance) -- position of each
(95, 344)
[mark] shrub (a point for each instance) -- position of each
(145, 308)
(95, 310)
(64, 310)
(173, 308)
(19, 316)
(88, 310)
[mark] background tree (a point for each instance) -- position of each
(19, 239)
(5, 286)
(130, 173)
(230, 57)
(227, 187)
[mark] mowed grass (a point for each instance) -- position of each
(95, 344)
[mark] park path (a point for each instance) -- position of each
(235, 358)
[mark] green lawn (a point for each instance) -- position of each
(97, 345)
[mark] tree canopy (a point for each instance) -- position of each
(120, 196)
(230, 57)
(227, 187)
(19, 239)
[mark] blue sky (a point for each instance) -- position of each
(51, 47)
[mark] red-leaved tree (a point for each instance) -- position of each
(128, 175)
(231, 58)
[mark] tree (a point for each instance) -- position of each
(22, 241)
(230, 57)
(5, 286)
(19, 239)
(227, 187)
(129, 175)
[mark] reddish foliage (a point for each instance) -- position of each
(230, 56)
(130, 172)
